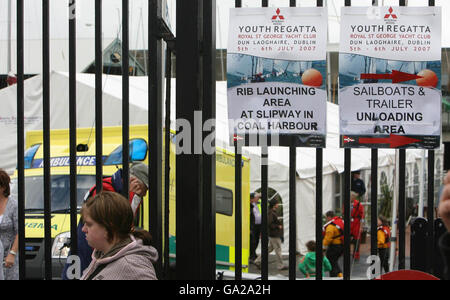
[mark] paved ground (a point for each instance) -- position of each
(359, 268)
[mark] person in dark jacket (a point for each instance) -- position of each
(275, 235)
(138, 187)
(358, 185)
(444, 213)
(255, 223)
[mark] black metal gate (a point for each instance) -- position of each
(195, 48)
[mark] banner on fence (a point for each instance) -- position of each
(390, 77)
(276, 71)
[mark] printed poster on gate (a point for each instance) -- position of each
(390, 77)
(276, 72)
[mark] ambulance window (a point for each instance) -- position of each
(224, 201)
(60, 191)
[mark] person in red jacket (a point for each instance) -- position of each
(333, 233)
(357, 216)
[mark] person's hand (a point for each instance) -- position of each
(137, 187)
(9, 261)
(444, 206)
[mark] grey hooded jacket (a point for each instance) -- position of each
(132, 262)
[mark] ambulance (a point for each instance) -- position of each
(112, 160)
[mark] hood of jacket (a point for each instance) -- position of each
(136, 247)
(132, 261)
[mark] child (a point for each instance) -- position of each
(308, 263)
(384, 243)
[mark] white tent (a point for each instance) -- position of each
(59, 110)
(112, 116)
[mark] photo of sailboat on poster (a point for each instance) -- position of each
(352, 66)
(243, 69)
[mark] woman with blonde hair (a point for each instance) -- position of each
(120, 251)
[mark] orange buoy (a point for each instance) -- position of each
(429, 78)
(312, 77)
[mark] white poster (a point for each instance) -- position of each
(390, 77)
(276, 73)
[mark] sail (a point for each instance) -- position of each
(240, 65)
(402, 66)
(381, 66)
(419, 66)
(352, 65)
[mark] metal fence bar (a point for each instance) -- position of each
(319, 204)
(209, 159)
(264, 212)
(292, 211)
(402, 211)
(347, 187)
(98, 96)
(155, 81)
(374, 204)
(188, 166)
(73, 128)
(238, 211)
(430, 211)
(319, 213)
(347, 213)
(125, 99)
(402, 202)
(167, 145)
(292, 202)
(265, 201)
(238, 198)
(20, 138)
(46, 137)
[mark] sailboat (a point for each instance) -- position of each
(352, 65)
(240, 65)
(370, 67)
(402, 66)
(257, 70)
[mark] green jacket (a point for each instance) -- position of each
(308, 265)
